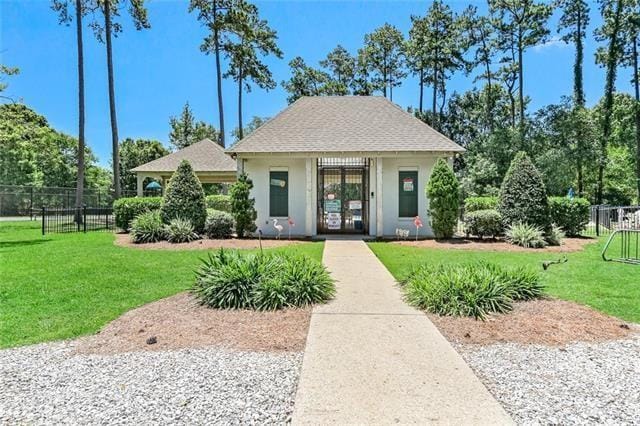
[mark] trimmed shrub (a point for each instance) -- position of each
(525, 235)
(242, 210)
(126, 209)
(147, 228)
(230, 280)
(219, 224)
(473, 204)
(555, 236)
(473, 290)
(443, 192)
(572, 215)
(523, 197)
(219, 202)
(483, 223)
(180, 231)
(184, 198)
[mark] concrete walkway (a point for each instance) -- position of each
(370, 358)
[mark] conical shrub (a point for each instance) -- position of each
(443, 191)
(184, 198)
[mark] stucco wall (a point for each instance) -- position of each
(258, 170)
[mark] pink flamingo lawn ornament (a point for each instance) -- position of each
(279, 228)
(418, 223)
(291, 225)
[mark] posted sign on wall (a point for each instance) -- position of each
(407, 184)
(332, 206)
(334, 221)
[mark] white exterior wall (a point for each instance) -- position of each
(390, 175)
(258, 170)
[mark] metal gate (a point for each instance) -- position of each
(343, 195)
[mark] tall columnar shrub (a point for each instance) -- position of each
(184, 198)
(523, 197)
(443, 191)
(242, 206)
(572, 215)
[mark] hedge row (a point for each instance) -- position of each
(219, 202)
(127, 209)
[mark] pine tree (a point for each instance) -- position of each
(186, 131)
(341, 66)
(386, 59)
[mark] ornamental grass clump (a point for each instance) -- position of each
(525, 235)
(147, 228)
(180, 231)
(270, 281)
(471, 290)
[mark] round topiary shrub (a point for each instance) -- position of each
(572, 215)
(147, 228)
(184, 198)
(523, 197)
(483, 223)
(443, 192)
(219, 224)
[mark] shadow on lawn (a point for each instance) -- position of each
(22, 243)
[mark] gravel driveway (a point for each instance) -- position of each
(51, 384)
(581, 383)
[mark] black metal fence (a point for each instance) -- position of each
(83, 219)
(17, 201)
(603, 220)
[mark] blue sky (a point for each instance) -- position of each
(158, 70)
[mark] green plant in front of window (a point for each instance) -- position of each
(523, 197)
(219, 224)
(147, 228)
(230, 280)
(473, 290)
(242, 206)
(443, 192)
(180, 230)
(525, 235)
(184, 198)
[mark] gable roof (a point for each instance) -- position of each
(344, 124)
(204, 156)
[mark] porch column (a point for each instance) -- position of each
(379, 221)
(140, 182)
(308, 222)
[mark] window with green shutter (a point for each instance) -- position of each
(408, 195)
(279, 194)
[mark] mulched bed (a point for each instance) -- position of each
(548, 322)
(124, 240)
(568, 245)
(180, 322)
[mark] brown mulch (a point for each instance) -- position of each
(545, 322)
(568, 245)
(124, 240)
(180, 322)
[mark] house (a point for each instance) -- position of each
(342, 164)
(208, 159)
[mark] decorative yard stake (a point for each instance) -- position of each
(291, 225)
(260, 240)
(279, 228)
(418, 223)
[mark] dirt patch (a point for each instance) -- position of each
(568, 245)
(124, 240)
(180, 322)
(545, 322)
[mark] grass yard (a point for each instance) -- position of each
(66, 285)
(611, 287)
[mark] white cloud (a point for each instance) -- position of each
(552, 43)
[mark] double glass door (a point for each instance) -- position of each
(342, 200)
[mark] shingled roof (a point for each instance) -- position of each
(344, 124)
(204, 156)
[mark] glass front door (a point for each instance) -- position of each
(342, 198)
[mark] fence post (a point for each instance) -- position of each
(43, 211)
(84, 216)
(598, 220)
(31, 204)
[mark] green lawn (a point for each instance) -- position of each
(610, 287)
(66, 285)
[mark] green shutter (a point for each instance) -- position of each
(408, 193)
(279, 194)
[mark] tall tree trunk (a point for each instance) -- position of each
(434, 112)
(112, 101)
(421, 89)
(216, 44)
(612, 65)
(636, 77)
(240, 128)
(80, 173)
(578, 87)
(489, 97)
(520, 91)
